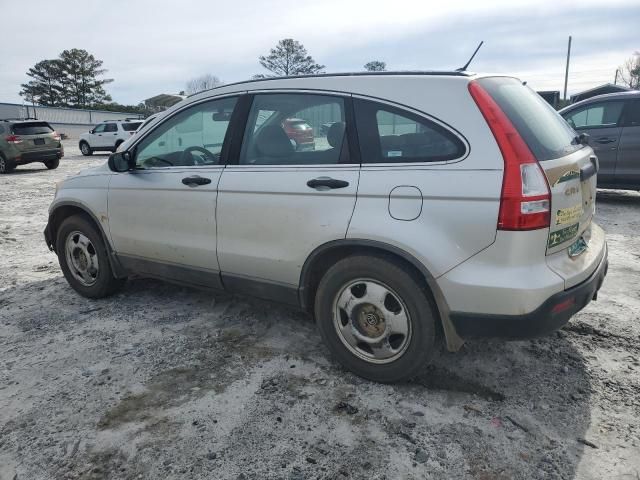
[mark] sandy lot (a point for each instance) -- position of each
(162, 382)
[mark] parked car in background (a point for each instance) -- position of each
(300, 132)
(28, 141)
(107, 136)
(612, 122)
(437, 202)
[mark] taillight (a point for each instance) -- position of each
(56, 136)
(525, 201)
(14, 139)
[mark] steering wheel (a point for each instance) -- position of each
(187, 153)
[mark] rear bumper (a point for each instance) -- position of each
(39, 156)
(551, 315)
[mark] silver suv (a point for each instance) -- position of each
(441, 202)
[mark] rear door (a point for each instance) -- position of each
(628, 165)
(570, 167)
(277, 202)
(601, 120)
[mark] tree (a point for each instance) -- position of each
(375, 66)
(45, 87)
(70, 80)
(290, 58)
(202, 83)
(630, 72)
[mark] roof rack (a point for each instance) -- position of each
(17, 119)
(454, 73)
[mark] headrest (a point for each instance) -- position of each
(335, 134)
(272, 141)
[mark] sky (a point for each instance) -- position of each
(151, 47)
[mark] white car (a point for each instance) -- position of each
(107, 136)
(432, 202)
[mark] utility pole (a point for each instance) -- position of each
(615, 80)
(566, 72)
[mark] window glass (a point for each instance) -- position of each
(295, 129)
(390, 135)
(632, 114)
(111, 127)
(539, 125)
(131, 126)
(193, 137)
(32, 128)
(600, 115)
(99, 128)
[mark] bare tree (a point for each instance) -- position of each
(289, 57)
(630, 72)
(202, 83)
(375, 66)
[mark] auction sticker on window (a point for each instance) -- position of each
(561, 236)
(569, 215)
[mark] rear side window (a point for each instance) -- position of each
(111, 127)
(596, 115)
(131, 127)
(32, 128)
(391, 135)
(632, 114)
(544, 131)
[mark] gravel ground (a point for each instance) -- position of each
(162, 382)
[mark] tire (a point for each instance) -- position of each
(118, 143)
(85, 149)
(52, 164)
(6, 166)
(73, 235)
(341, 331)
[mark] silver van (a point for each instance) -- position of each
(432, 205)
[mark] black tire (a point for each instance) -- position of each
(85, 149)
(52, 164)
(118, 143)
(6, 166)
(422, 316)
(105, 283)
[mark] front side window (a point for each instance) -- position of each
(193, 137)
(391, 135)
(99, 128)
(597, 115)
(111, 127)
(295, 129)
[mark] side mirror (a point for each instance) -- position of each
(583, 138)
(91, 131)
(121, 162)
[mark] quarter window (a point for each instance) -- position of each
(295, 129)
(193, 137)
(597, 115)
(391, 135)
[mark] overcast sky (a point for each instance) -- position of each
(152, 46)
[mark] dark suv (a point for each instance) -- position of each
(28, 141)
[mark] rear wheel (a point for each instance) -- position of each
(83, 258)
(118, 143)
(375, 318)
(85, 149)
(52, 164)
(6, 166)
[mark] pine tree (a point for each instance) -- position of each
(289, 58)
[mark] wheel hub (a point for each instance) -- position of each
(370, 321)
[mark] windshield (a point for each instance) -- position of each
(541, 127)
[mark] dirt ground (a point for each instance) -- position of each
(163, 382)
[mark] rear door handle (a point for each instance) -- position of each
(326, 183)
(196, 180)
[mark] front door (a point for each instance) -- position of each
(601, 120)
(628, 166)
(162, 215)
(292, 188)
(97, 139)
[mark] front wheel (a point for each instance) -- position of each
(85, 149)
(83, 258)
(375, 318)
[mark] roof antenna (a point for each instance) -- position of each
(462, 69)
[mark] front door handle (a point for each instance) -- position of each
(605, 140)
(196, 180)
(326, 183)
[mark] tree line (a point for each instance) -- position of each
(75, 78)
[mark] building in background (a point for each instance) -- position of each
(68, 121)
(551, 96)
(163, 101)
